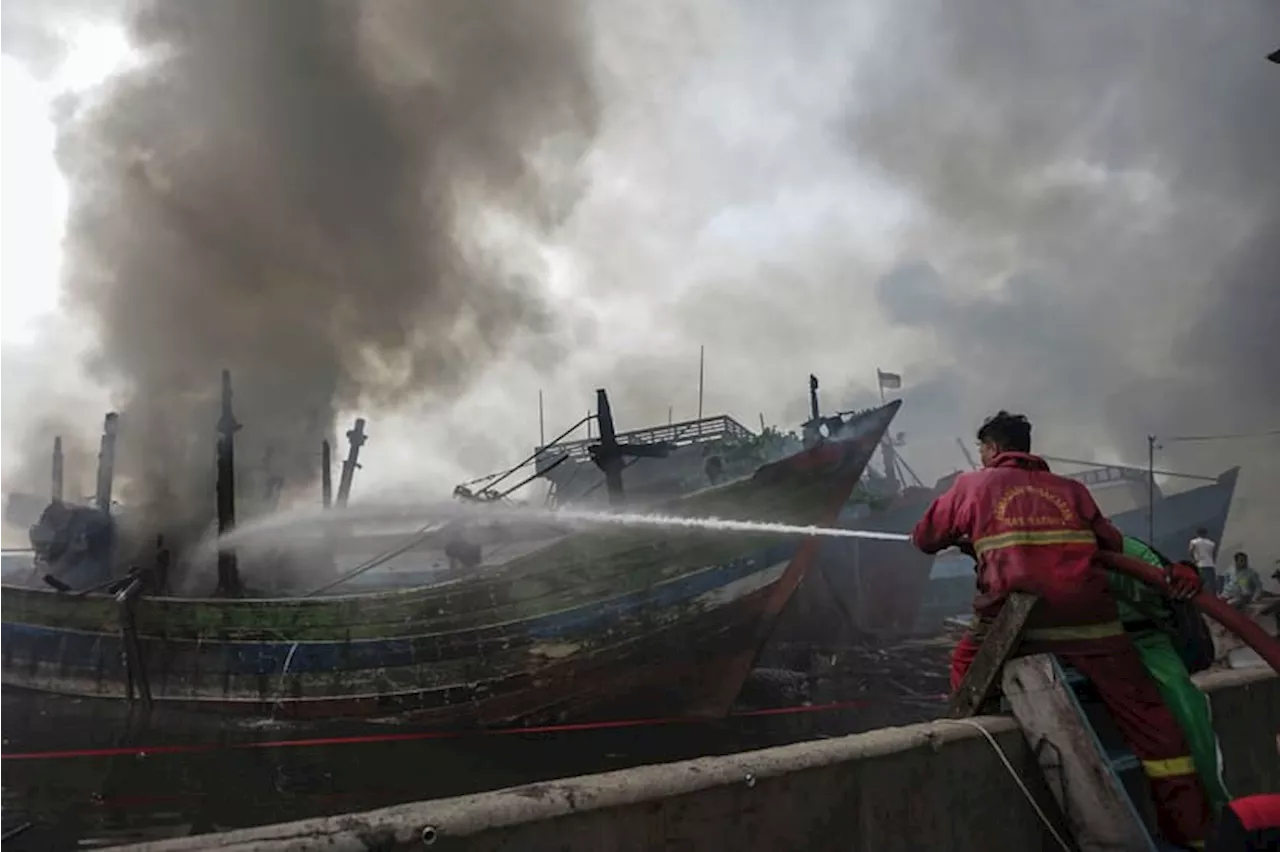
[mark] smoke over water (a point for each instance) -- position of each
(326, 198)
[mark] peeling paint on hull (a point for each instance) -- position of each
(623, 612)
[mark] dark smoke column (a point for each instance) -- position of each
(289, 189)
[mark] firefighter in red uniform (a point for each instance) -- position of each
(1033, 531)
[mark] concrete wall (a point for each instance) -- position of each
(939, 785)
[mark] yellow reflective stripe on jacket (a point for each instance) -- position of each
(1026, 538)
(1170, 768)
(1101, 630)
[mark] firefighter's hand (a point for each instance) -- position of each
(1184, 581)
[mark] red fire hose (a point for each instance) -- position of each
(1249, 631)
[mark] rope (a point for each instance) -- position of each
(1227, 437)
(442, 734)
(1004, 758)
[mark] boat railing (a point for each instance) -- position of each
(1108, 475)
(684, 433)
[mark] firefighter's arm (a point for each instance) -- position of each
(1109, 538)
(938, 529)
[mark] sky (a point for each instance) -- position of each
(1037, 210)
(32, 227)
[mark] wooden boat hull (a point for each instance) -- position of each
(861, 587)
(589, 622)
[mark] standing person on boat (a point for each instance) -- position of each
(1244, 585)
(1204, 555)
(1153, 623)
(1033, 531)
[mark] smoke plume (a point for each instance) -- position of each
(1072, 212)
(327, 198)
(1100, 187)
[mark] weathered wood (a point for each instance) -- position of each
(326, 474)
(228, 575)
(582, 623)
(610, 456)
(356, 439)
(55, 491)
(106, 462)
(1099, 813)
(997, 646)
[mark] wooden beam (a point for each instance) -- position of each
(1098, 811)
(997, 646)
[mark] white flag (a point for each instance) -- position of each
(889, 381)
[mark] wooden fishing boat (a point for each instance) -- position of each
(607, 620)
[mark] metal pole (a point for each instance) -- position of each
(1151, 489)
(542, 429)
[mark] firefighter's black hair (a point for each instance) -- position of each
(1008, 432)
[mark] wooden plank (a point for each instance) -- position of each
(1098, 812)
(997, 646)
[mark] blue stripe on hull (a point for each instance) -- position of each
(82, 650)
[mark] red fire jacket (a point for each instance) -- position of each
(1031, 531)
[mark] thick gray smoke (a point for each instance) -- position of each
(1068, 212)
(320, 197)
(1101, 239)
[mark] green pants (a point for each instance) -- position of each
(1189, 706)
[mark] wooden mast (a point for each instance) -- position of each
(55, 490)
(610, 456)
(228, 574)
(106, 462)
(326, 474)
(355, 440)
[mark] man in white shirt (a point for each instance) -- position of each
(1204, 552)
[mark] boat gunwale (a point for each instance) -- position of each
(492, 578)
(593, 602)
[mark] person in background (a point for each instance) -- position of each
(1244, 585)
(1152, 623)
(1036, 532)
(1204, 555)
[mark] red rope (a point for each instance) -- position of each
(141, 751)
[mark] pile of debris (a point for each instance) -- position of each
(901, 681)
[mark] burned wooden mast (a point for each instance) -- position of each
(55, 490)
(610, 456)
(812, 429)
(355, 440)
(106, 462)
(326, 474)
(228, 575)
